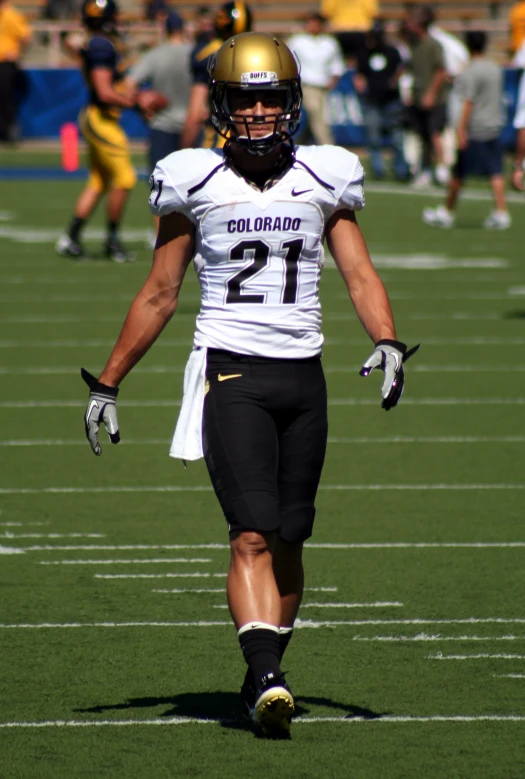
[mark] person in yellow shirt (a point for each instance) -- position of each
(349, 21)
(517, 25)
(14, 37)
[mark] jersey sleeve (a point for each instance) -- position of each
(100, 53)
(346, 175)
(175, 179)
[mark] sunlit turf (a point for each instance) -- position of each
(427, 499)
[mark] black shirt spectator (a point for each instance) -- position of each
(379, 64)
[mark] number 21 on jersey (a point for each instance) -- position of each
(258, 252)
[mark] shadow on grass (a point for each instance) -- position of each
(224, 707)
(514, 315)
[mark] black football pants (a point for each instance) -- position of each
(264, 437)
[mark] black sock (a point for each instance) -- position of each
(75, 227)
(260, 647)
(284, 640)
(112, 231)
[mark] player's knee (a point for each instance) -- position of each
(250, 545)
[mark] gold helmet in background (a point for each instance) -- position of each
(255, 62)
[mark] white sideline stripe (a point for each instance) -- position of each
(221, 589)
(13, 404)
(432, 191)
(509, 439)
(480, 656)
(186, 342)
(206, 488)
(11, 524)
(300, 624)
(53, 535)
(170, 721)
(378, 545)
(376, 605)
(51, 370)
(10, 550)
(204, 575)
(128, 562)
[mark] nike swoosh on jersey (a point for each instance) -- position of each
(229, 376)
(301, 192)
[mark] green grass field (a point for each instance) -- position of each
(117, 656)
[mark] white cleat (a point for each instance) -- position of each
(498, 220)
(422, 180)
(438, 217)
(66, 247)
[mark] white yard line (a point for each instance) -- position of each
(341, 546)
(128, 562)
(509, 439)
(186, 342)
(52, 535)
(300, 623)
(221, 590)
(342, 720)
(207, 488)
(375, 605)
(204, 575)
(509, 676)
(479, 656)
(10, 550)
(51, 370)
(62, 404)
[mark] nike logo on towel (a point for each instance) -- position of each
(301, 192)
(229, 376)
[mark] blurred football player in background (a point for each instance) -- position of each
(110, 168)
(253, 217)
(166, 69)
(231, 19)
(480, 152)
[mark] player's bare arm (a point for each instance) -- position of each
(371, 303)
(145, 100)
(197, 114)
(151, 310)
(157, 301)
(366, 290)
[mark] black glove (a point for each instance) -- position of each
(102, 407)
(389, 356)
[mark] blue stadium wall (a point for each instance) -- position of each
(49, 98)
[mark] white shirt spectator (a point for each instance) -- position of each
(320, 58)
(455, 52)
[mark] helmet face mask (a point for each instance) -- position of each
(249, 70)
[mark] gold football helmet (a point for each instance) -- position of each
(255, 62)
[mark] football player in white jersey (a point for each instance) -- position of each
(253, 217)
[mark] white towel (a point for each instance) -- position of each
(187, 439)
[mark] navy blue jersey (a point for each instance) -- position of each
(99, 52)
(200, 56)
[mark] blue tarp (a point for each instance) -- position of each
(53, 97)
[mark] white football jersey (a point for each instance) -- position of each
(259, 255)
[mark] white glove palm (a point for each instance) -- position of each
(389, 356)
(102, 407)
